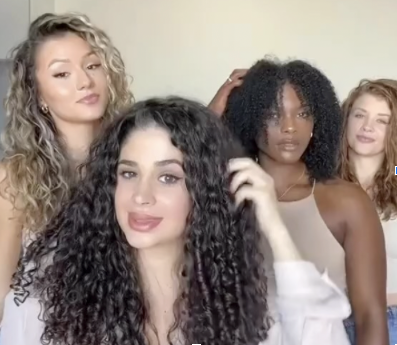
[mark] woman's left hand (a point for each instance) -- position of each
(251, 182)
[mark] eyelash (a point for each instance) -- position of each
(359, 116)
(65, 74)
(127, 175)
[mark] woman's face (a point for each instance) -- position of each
(71, 80)
(367, 125)
(151, 199)
(289, 130)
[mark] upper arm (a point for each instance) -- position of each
(365, 256)
(10, 239)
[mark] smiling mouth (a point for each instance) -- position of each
(365, 140)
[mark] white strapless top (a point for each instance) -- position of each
(310, 307)
(390, 232)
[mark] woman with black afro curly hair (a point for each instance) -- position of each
(160, 243)
(289, 119)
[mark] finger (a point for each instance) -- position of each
(247, 176)
(234, 83)
(245, 193)
(239, 73)
(237, 164)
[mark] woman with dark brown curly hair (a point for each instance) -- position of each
(369, 157)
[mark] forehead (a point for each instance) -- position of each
(66, 46)
(372, 103)
(288, 97)
(148, 145)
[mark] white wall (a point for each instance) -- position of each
(189, 47)
(15, 16)
(14, 23)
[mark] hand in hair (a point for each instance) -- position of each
(251, 183)
(218, 103)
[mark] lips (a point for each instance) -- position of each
(365, 140)
(143, 222)
(90, 99)
(288, 144)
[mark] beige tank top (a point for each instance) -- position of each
(313, 239)
(390, 232)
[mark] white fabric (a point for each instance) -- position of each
(311, 310)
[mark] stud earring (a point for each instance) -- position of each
(44, 109)
(311, 134)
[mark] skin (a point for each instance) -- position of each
(370, 117)
(151, 181)
(218, 103)
(345, 208)
(66, 71)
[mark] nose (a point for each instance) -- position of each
(367, 125)
(144, 194)
(287, 124)
(84, 80)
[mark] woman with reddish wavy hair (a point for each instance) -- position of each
(369, 157)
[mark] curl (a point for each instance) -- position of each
(92, 291)
(249, 106)
(37, 168)
(385, 184)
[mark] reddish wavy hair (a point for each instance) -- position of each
(384, 188)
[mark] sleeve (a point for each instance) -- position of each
(311, 307)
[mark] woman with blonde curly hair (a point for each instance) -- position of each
(67, 81)
(369, 157)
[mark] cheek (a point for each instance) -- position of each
(352, 128)
(101, 82)
(175, 207)
(381, 136)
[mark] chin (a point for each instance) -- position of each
(366, 150)
(141, 240)
(94, 115)
(289, 157)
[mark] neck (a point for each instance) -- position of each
(365, 168)
(158, 267)
(78, 138)
(283, 174)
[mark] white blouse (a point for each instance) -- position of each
(311, 310)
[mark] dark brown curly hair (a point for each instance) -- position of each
(91, 290)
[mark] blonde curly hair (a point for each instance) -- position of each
(385, 183)
(38, 172)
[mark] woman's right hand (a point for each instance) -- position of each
(218, 103)
(251, 182)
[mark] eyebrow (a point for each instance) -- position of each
(157, 163)
(67, 60)
(363, 110)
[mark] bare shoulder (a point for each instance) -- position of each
(353, 204)
(347, 194)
